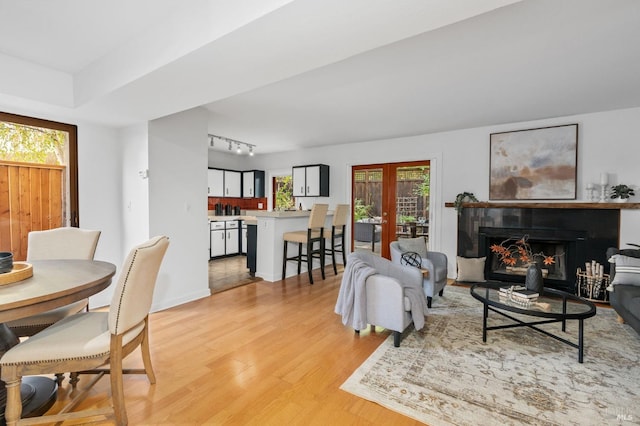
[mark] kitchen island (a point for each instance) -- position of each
(270, 226)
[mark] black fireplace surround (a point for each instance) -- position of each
(577, 235)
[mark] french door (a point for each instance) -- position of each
(390, 201)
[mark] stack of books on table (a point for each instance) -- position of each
(518, 293)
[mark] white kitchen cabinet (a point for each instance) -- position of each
(224, 238)
(215, 180)
(311, 181)
(232, 184)
(232, 237)
(217, 239)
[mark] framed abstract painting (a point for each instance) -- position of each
(534, 164)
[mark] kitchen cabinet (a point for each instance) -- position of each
(217, 239)
(232, 183)
(311, 181)
(224, 238)
(224, 183)
(232, 242)
(215, 180)
(253, 184)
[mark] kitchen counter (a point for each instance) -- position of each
(271, 225)
(248, 219)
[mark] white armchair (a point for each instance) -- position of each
(387, 303)
(435, 262)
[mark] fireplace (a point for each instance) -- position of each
(580, 235)
(566, 245)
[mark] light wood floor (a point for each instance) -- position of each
(260, 354)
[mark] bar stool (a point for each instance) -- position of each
(336, 234)
(312, 235)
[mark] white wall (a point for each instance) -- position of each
(607, 143)
(99, 194)
(178, 205)
(135, 188)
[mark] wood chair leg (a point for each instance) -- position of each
(146, 353)
(115, 376)
(299, 258)
(396, 339)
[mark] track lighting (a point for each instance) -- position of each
(230, 143)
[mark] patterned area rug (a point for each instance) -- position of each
(446, 375)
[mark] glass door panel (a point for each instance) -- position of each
(390, 201)
(367, 208)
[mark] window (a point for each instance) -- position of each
(283, 193)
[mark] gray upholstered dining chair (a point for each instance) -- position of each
(88, 340)
(58, 243)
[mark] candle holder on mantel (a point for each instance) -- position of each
(590, 188)
(604, 181)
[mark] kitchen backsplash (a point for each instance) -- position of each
(243, 203)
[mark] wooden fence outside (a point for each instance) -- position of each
(31, 199)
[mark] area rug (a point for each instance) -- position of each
(446, 375)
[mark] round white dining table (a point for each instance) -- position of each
(54, 283)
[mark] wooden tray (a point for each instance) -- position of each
(21, 271)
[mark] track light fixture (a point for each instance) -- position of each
(230, 143)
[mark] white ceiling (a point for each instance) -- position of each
(286, 74)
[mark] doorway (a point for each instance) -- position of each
(390, 201)
(38, 179)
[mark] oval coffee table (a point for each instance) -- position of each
(552, 306)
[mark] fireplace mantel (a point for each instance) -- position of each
(533, 205)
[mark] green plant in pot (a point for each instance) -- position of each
(621, 193)
(461, 198)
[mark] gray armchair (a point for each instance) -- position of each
(393, 295)
(435, 262)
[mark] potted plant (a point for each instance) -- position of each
(461, 198)
(621, 193)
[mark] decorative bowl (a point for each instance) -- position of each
(6, 262)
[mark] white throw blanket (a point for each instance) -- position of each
(352, 299)
(418, 302)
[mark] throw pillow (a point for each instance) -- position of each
(627, 270)
(418, 245)
(611, 251)
(471, 269)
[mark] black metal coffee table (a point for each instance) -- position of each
(552, 306)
